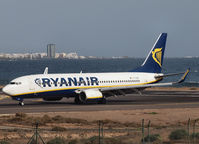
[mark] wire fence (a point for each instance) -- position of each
(146, 133)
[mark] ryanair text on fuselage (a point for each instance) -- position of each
(69, 81)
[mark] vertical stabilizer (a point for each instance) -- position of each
(153, 62)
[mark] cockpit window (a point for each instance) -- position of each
(12, 83)
(15, 83)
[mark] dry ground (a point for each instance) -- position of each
(163, 122)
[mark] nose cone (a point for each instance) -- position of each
(6, 90)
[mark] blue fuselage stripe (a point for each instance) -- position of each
(57, 93)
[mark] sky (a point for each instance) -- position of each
(102, 28)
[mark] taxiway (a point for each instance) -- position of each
(149, 100)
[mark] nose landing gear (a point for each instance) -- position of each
(21, 103)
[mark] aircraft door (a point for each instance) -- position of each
(32, 84)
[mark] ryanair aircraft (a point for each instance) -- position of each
(93, 87)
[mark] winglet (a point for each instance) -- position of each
(184, 76)
(46, 70)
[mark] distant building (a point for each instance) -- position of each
(51, 50)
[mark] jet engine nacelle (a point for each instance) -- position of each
(89, 95)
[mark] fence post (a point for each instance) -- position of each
(194, 130)
(36, 135)
(148, 140)
(99, 132)
(143, 131)
(188, 129)
(36, 131)
(102, 130)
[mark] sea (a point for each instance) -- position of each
(10, 69)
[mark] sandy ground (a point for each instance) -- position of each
(163, 117)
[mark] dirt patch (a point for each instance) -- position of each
(164, 117)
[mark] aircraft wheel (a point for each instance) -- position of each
(21, 103)
(77, 100)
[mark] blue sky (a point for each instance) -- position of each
(99, 28)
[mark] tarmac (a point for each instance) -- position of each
(148, 100)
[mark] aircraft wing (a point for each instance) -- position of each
(130, 89)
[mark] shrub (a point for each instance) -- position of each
(178, 134)
(95, 140)
(56, 128)
(195, 135)
(92, 140)
(109, 123)
(4, 142)
(61, 119)
(21, 115)
(58, 118)
(57, 140)
(73, 142)
(193, 88)
(152, 138)
(40, 120)
(112, 140)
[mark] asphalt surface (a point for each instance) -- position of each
(149, 100)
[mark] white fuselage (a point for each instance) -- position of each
(40, 83)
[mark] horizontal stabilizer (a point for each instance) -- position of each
(167, 75)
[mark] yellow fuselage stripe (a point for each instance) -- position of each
(86, 87)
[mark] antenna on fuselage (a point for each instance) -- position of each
(46, 70)
(80, 72)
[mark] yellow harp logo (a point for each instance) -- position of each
(157, 56)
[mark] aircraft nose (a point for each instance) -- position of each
(6, 90)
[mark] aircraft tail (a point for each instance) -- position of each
(153, 62)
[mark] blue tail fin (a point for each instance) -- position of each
(153, 62)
